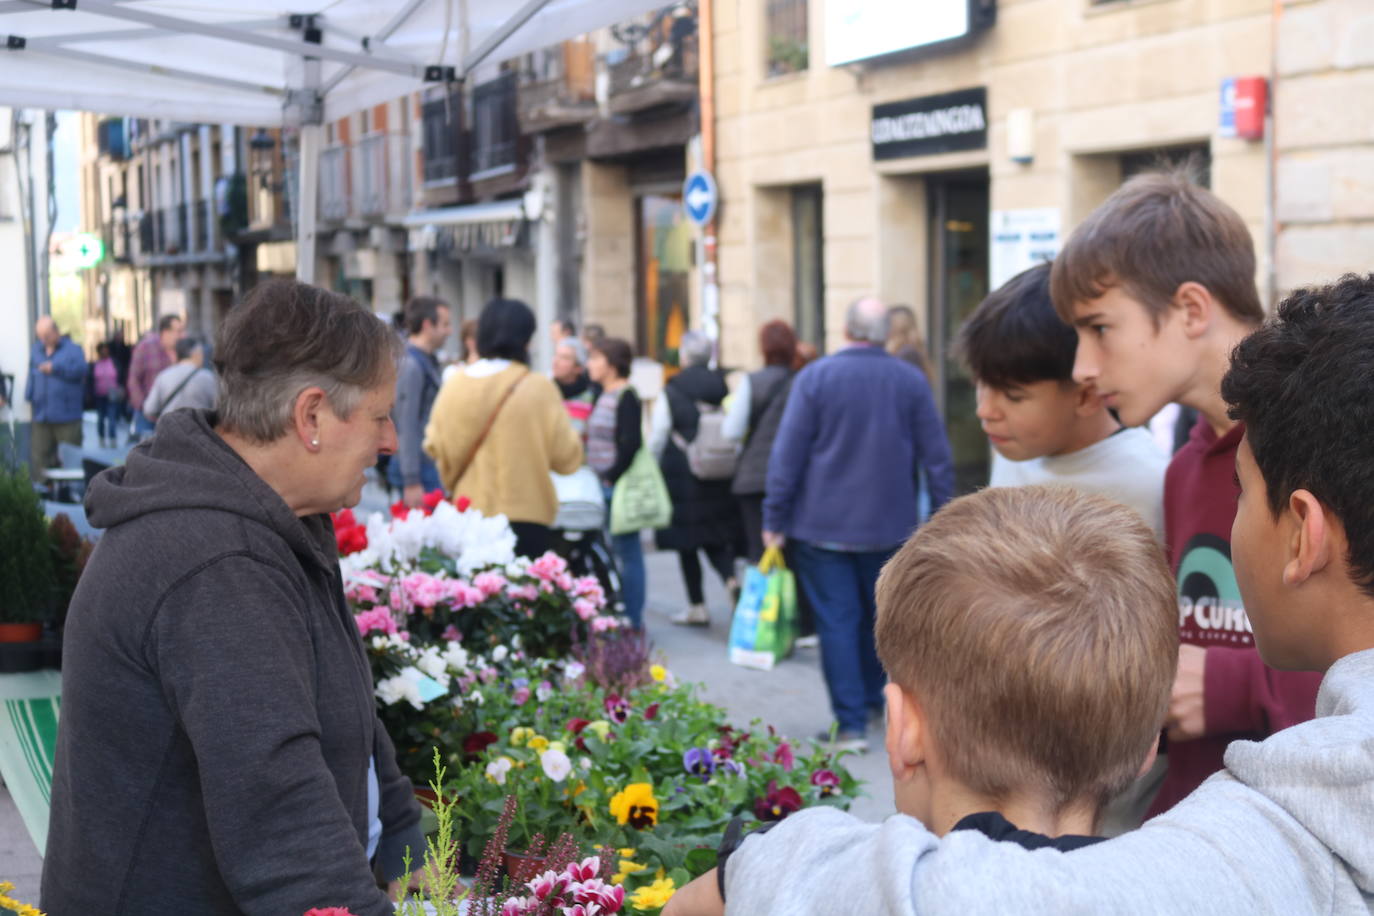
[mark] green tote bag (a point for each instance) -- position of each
(640, 499)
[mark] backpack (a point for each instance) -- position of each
(710, 456)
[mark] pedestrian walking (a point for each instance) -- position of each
(155, 352)
(410, 470)
(186, 383)
(217, 706)
(55, 392)
(109, 397)
(755, 412)
(123, 356)
(579, 392)
(843, 487)
(904, 339)
(615, 435)
(705, 516)
(497, 430)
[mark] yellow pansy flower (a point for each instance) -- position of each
(626, 869)
(520, 735)
(635, 805)
(539, 743)
(654, 896)
(658, 673)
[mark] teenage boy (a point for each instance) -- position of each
(1044, 427)
(1030, 641)
(1284, 828)
(1159, 282)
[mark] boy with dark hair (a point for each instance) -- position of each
(1044, 427)
(1284, 828)
(1029, 637)
(1159, 282)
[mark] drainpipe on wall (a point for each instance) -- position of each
(706, 92)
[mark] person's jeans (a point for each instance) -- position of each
(43, 440)
(629, 550)
(429, 474)
(840, 585)
(142, 425)
(106, 417)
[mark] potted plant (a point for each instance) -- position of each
(26, 572)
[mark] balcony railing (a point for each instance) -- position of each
(335, 192)
(662, 50)
(441, 120)
(383, 181)
(117, 239)
(788, 48)
(200, 226)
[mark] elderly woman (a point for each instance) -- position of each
(497, 430)
(576, 387)
(705, 514)
(219, 748)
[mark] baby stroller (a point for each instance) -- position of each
(579, 532)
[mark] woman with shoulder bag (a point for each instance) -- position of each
(497, 430)
(705, 516)
(614, 437)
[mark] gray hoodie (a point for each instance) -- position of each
(1287, 827)
(217, 719)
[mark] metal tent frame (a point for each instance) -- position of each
(268, 62)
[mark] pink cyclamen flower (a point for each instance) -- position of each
(604, 623)
(586, 870)
(609, 897)
(784, 756)
(548, 567)
(490, 583)
(549, 884)
(589, 587)
(564, 582)
(523, 592)
(585, 608)
(464, 595)
(580, 909)
(379, 619)
(425, 590)
(518, 906)
(398, 600)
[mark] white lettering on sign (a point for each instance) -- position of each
(1207, 613)
(918, 125)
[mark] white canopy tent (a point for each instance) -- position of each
(268, 62)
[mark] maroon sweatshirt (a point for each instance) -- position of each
(1242, 697)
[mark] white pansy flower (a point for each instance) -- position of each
(497, 770)
(556, 764)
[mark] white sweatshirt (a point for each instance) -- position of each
(1286, 828)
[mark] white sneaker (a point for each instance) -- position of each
(807, 642)
(696, 615)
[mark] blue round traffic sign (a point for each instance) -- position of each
(699, 197)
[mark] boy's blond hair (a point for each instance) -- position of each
(1037, 627)
(1156, 232)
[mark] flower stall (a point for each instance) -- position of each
(558, 732)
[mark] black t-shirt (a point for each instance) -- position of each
(996, 827)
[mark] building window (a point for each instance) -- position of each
(442, 120)
(808, 265)
(786, 31)
(495, 125)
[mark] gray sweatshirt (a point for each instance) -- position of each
(1287, 827)
(218, 720)
(181, 385)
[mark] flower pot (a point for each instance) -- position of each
(21, 632)
(21, 657)
(520, 867)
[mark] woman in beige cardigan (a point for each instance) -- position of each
(497, 430)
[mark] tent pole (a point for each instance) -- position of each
(308, 217)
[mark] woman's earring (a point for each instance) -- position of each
(314, 443)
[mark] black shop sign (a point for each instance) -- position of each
(944, 123)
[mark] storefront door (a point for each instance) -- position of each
(663, 259)
(958, 282)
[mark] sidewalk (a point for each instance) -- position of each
(791, 698)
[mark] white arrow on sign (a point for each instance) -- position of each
(699, 198)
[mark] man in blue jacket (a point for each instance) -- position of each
(843, 485)
(57, 382)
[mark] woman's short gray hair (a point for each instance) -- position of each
(695, 349)
(578, 348)
(288, 336)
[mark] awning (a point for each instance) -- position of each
(492, 226)
(268, 62)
